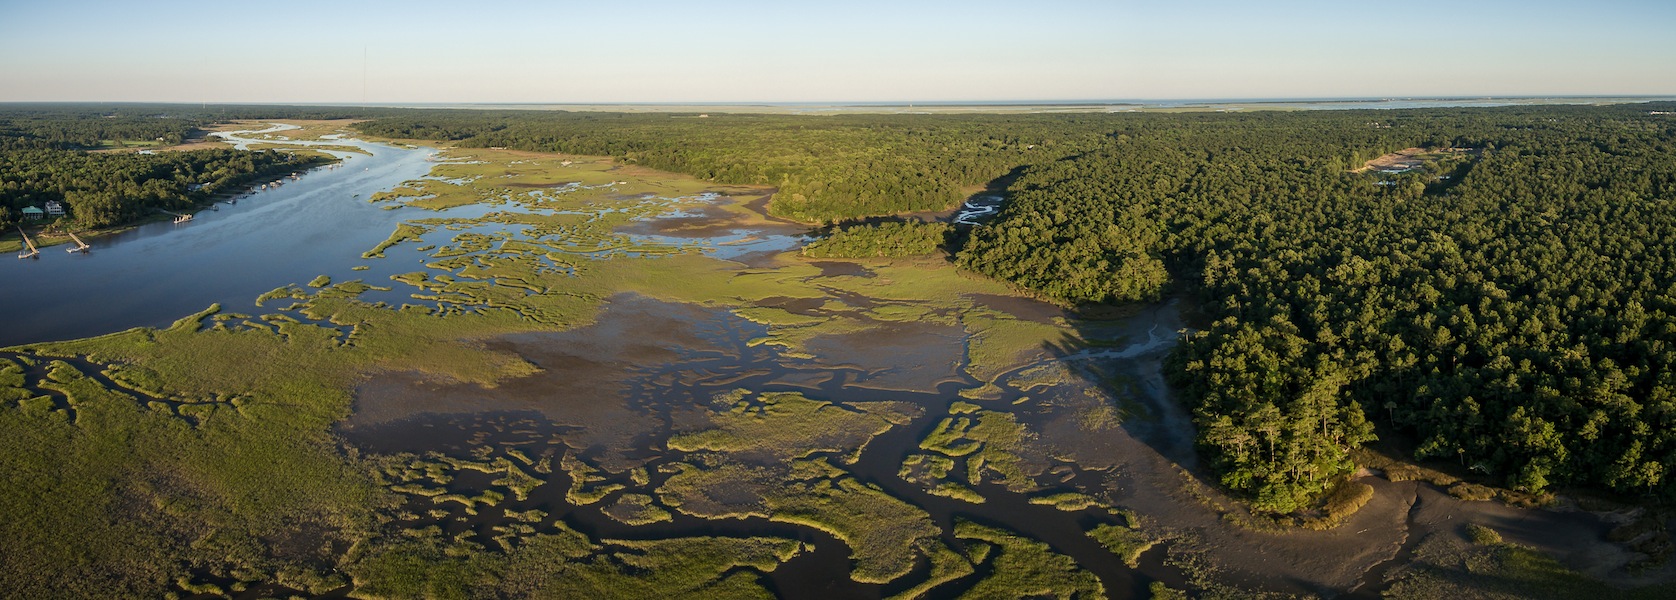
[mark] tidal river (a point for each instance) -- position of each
(156, 273)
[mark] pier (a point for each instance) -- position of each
(81, 246)
(179, 217)
(33, 251)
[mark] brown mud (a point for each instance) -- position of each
(609, 392)
(1098, 420)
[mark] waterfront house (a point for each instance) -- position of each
(54, 209)
(31, 213)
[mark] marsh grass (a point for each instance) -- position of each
(1128, 544)
(946, 565)
(637, 509)
(1481, 535)
(1483, 566)
(1067, 501)
(756, 461)
(215, 448)
(587, 483)
(1342, 501)
(1026, 568)
(790, 425)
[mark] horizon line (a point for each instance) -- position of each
(893, 103)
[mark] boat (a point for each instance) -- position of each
(81, 246)
(33, 251)
(182, 218)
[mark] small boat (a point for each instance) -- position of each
(81, 246)
(182, 218)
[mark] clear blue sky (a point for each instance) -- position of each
(732, 51)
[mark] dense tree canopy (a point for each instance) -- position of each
(1509, 304)
(906, 238)
(44, 157)
(1513, 308)
(828, 169)
(100, 190)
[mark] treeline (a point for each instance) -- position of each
(40, 130)
(78, 126)
(1511, 308)
(828, 169)
(1519, 317)
(101, 190)
(895, 238)
(42, 159)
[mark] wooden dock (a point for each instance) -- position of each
(81, 246)
(179, 217)
(33, 251)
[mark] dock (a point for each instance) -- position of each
(33, 251)
(81, 246)
(179, 217)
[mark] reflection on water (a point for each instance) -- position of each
(290, 231)
(159, 272)
(977, 208)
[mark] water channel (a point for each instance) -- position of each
(321, 222)
(153, 274)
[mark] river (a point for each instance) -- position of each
(158, 272)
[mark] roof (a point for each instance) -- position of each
(31, 209)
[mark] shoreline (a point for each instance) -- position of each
(45, 239)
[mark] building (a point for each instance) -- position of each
(54, 209)
(31, 213)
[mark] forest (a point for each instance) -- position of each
(892, 238)
(44, 156)
(1512, 309)
(827, 169)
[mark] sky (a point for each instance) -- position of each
(420, 51)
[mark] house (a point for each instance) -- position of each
(193, 187)
(31, 213)
(54, 209)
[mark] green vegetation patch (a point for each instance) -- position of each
(884, 533)
(637, 509)
(1127, 543)
(1025, 568)
(404, 232)
(752, 462)
(890, 239)
(566, 564)
(987, 442)
(946, 565)
(586, 482)
(999, 342)
(788, 425)
(1446, 566)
